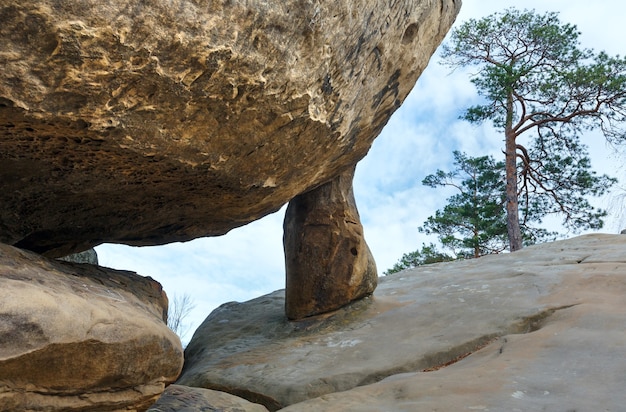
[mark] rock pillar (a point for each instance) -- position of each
(327, 262)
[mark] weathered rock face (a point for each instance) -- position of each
(543, 328)
(146, 123)
(74, 337)
(178, 398)
(327, 261)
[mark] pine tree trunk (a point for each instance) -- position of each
(512, 204)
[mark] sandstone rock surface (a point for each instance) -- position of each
(75, 337)
(151, 122)
(327, 261)
(539, 329)
(178, 398)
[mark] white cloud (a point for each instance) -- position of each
(418, 140)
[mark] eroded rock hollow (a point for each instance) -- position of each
(147, 123)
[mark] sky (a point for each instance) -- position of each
(418, 140)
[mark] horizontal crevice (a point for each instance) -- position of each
(527, 324)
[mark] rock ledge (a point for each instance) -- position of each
(539, 328)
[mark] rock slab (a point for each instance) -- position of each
(76, 337)
(538, 329)
(145, 123)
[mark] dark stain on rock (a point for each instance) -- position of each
(327, 87)
(391, 88)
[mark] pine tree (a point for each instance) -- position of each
(542, 91)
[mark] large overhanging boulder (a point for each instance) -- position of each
(151, 122)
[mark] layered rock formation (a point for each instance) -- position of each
(146, 123)
(538, 329)
(75, 337)
(327, 261)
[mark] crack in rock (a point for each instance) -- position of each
(527, 324)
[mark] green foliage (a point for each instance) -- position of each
(555, 178)
(537, 82)
(427, 255)
(473, 223)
